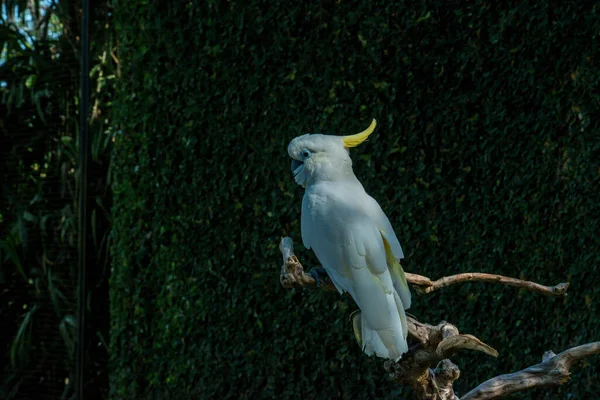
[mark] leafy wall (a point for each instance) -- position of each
(486, 158)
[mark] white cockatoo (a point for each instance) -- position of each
(353, 239)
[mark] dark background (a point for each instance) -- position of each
(40, 75)
(486, 158)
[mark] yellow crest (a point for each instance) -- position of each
(355, 140)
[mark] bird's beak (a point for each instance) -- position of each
(295, 165)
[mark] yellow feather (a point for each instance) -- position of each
(394, 265)
(356, 326)
(355, 140)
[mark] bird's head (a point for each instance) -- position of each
(319, 157)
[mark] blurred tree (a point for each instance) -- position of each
(39, 97)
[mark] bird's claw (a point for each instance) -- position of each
(318, 273)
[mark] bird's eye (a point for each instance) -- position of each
(305, 153)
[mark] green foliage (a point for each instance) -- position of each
(486, 158)
(39, 181)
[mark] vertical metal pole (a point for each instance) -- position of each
(83, 219)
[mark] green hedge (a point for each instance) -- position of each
(486, 158)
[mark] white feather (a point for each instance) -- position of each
(346, 228)
(351, 235)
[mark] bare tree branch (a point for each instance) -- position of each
(426, 367)
(292, 272)
(552, 371)
(425, 285)
(292, 275)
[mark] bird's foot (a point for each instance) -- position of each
(319, 274)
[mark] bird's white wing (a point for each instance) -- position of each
(393, 249)
(352, 249)
(374, 211)
(341, 234)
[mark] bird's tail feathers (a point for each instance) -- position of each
(402, 315)
(384, 343)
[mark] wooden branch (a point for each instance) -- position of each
(292, 272)
(294, 276)
(431, 345)
(425, 285)
(425, 367)
(552, 371)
